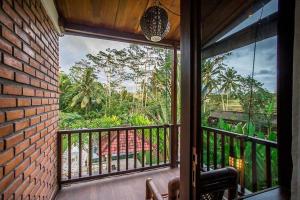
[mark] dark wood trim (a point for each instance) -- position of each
(110, 34)
(267, 28)
(174, 129)
(286, 17)
(190, 98)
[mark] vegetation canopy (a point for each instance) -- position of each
(132, 86)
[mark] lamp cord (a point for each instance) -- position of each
(253, 67)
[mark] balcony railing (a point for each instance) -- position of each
(223, 148)
(95, 153)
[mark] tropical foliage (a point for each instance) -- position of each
(132, 86)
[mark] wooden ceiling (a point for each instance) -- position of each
(120, 18)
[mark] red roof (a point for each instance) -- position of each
(114, 143)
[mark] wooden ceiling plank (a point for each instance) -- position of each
(124, 15)
(129, 15)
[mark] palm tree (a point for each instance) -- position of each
(230, 82)
(111, 63)
(86, 86)
(211, 69)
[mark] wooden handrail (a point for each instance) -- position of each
(85, 130)
(157, 158)
(240, 136)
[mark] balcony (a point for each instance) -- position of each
(39, 162)
(142, 152)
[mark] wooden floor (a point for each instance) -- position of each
(125, 187)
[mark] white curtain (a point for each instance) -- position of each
(296, 108)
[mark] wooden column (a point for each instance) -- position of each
(190, 41)
(174, 129)
(286, 15)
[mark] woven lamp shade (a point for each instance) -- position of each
(155, 23)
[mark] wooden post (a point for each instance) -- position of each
(286, 18)
(190, 41)
(174, 132)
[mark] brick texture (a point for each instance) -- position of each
(28, 101)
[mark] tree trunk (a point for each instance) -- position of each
(223, 103)
(227, 103)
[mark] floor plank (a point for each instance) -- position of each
(125, 187)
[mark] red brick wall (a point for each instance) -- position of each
(28, 101)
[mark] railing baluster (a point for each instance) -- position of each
(201, 149)
(100, 152)
(118, 150)
(157, 142)
(242, 170)
(90, 153)
(109, 152)
(143, 148)
(231, 151)
(126, 149)
(150, 146)
(268, 166)
(215, 150)
(208, 150)
(80, 154)
(254, 172)
(69, 156)
(222, 150)
(165, 145)
(178, 152)
(134, 148)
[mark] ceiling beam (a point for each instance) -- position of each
(257, 4)
(104, 33)
(266, 28)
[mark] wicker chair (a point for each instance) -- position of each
(213, 185)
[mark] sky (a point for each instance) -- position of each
(74, 48)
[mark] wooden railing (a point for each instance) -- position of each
(223, 148)
(94, 153)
